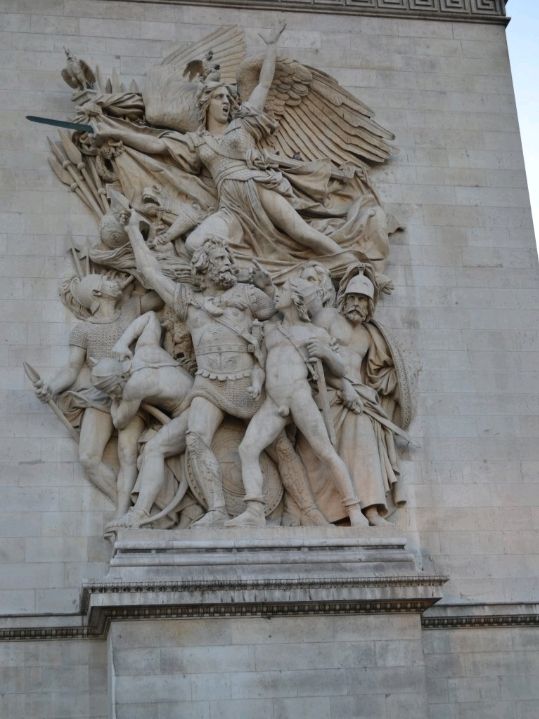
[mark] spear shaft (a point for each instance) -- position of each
(34, 377)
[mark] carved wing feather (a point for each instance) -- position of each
(358, 144)
(317, 117)
(227, 45)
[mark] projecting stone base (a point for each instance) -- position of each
(250, 624)
(257, 572)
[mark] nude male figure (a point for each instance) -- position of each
(290, 344)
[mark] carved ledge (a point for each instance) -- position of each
(491, 11)
(261, 572)
(35, 634)
(458, 616)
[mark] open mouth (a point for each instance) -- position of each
(147, 200)
(151, 197)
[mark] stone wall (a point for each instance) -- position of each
(465, 306)
(279, 668)
(482, 673)
(53, 680)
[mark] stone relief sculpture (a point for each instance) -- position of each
(371, 405)
(226, 369)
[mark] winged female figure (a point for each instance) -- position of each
(278, 208)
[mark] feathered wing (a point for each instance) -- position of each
(227, 45)
(317, 117)
(170, 99)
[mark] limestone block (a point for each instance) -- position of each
(362, 707)
(149, 689)
(290, 691)
(201, 660)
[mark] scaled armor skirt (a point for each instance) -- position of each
(229, 395)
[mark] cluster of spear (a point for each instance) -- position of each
(81, 176)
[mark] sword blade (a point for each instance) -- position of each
(78, 126)
(324, 400)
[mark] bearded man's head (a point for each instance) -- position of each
(213, 260)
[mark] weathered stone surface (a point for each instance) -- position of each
(256, 667)
(467, 319)
(394, 54)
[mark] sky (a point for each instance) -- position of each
(523, 41)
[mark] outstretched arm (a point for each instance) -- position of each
(257, 100)
(65, 377)
(147, 264)
(148, 144)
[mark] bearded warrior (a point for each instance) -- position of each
(373, 404)
(220, 319)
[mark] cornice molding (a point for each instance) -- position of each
(484, 11)
(35, 634)
(462, 622)
(104, 602)
(472, 616)
(485, 619)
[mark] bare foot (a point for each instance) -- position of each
(130, 520)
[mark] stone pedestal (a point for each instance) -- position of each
(256, 624)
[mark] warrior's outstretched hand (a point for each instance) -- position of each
(260, 277)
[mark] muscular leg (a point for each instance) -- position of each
(309, 422)
(263, 429)
(204, 420)
(285, 217)
(127, 454)
(169, 441)
(96, 430)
